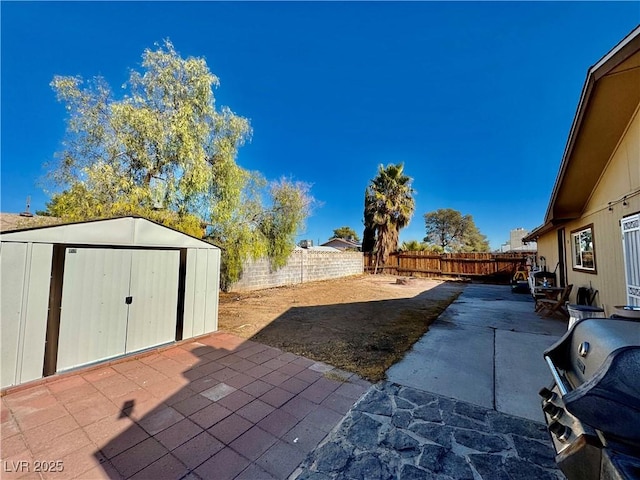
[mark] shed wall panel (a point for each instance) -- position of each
(35, 312)
(26, 271)
(13, 260)
(106, 232)
(151, 234)
(212, 292)
(189, 288)
(93, 315)
(154, 289)
(199, 292)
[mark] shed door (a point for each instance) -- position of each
(93, 313)
(154, 299)
(116, 301)
(631, 248)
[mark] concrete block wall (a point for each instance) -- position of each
(303, 266)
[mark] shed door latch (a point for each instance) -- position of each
(128, 300)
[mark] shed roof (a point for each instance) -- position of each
(122, 231)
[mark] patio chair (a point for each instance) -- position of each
(533, 289)
(548, 306)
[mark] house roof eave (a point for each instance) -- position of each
(592, 99)
(545, 228)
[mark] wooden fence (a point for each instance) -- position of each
(496, 267)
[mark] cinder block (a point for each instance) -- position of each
(303, 266)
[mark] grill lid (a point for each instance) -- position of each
(583, 350)
(610, 400)
(600, 360)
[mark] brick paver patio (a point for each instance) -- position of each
(220, 407)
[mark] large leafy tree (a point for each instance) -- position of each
(474, 241)
(454, 232)
(163, 144)
(346, 233)
(165, 151)
(389, 206)
(291, 204)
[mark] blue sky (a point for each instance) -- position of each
(476, 99)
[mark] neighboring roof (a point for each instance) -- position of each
(319, 249)
(534, 234)
(17, 221)
(343, 241)
(121, 231)
(609, 98)
(524, 248)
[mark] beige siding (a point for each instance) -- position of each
(609, 279)
(621, 177)
(548, 248)
(622, 174)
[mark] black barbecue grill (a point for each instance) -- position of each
(593, 408)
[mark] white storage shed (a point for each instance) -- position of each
(81, 293)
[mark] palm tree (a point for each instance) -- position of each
(414, 246)
(369, 235)
(389, 205)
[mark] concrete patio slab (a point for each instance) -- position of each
(486, 349)
(520, 372)
(453, 360)
(495, 306)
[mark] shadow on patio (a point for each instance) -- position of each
(218, 407)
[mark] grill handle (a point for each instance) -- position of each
(562, 387)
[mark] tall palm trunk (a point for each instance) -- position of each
(386, 242)
(388, 207)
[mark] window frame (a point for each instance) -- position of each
(575, 234)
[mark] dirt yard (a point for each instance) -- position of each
(362, 324)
